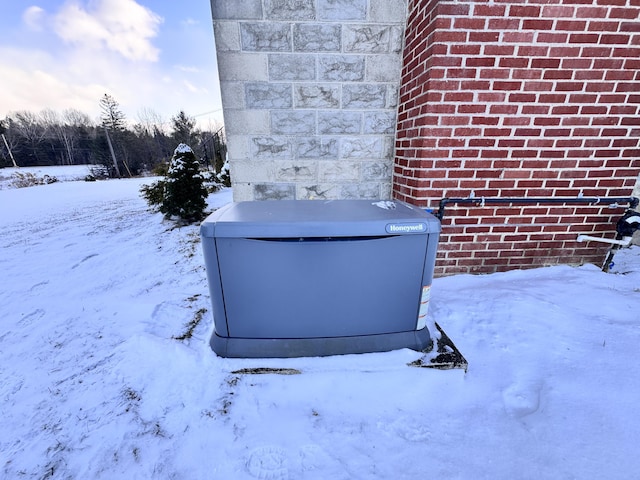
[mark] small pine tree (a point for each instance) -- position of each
(184, 193)
(153, 194)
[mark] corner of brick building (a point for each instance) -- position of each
(519, 100)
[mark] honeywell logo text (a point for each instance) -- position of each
(406, 227)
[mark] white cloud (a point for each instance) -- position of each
(190, 86)
(187, 69)
(33, 17)
(33, 81)
(122, 26)
(75, 70)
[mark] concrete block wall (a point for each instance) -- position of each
(519, 99)
(309, 90)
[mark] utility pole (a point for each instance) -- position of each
(113, 155)
(10, 154)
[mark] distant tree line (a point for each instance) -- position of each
(72, 138)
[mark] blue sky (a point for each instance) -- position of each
(154, 55)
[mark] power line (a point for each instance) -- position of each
(207, 113)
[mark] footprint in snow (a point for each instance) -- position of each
(313, 457)
(521, 399)
(164, 319)
(268, 463)
(411, 431)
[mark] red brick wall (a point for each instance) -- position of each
(519, 99)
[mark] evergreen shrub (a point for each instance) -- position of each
(182, 192)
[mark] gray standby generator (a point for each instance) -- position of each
(296, 278)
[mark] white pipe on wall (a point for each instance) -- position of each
(626, 241)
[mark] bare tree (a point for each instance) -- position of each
(68, 131)
(151, 121)
(55, 126)
(28, 126)
(76, 118)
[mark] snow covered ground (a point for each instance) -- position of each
(94, 386)
(68, 173)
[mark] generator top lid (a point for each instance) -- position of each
(318, 218)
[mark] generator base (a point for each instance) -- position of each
(231, 347)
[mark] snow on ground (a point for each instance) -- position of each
(93, 384)
(67, 173)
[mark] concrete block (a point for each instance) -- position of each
(366, 38)
(237, 147)
(364, 95)
(247, 122)
(342, 9)
(232, 9)
(274, 191)
(268, 95)
(362, 147)
(388, 11)
(396, 42)
(384, 68)
(317, 37)
(376, 170)
(386, 190)
(252, 171)
(290, 9)
(317, 147)
(338, 171)
(270, 147)
(361, 191)
(227, 36)
(339, 122)
(293, 122)
(382, 122)
(242, 67)
(284, 66)
(232, 94)
(388, 146)
(341, 68)
(316, 95)
(317, 191)
(242, 191)
(266, 36)
(393, 92)
(298, 171)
